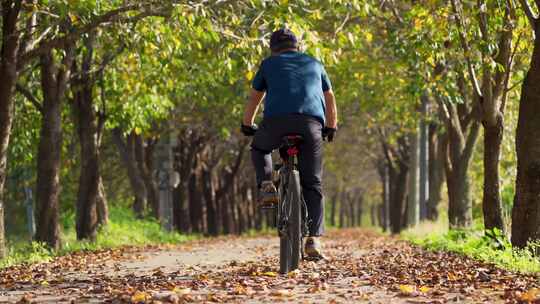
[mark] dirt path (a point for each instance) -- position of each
(363, 267)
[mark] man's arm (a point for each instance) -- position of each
(252, 106)
(331, 109)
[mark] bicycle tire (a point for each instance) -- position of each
(284, 254)
(295, 220)
(284, 242)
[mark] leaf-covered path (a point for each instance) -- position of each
(362, 267)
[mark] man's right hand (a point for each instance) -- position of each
(249, 130)
(329, 133)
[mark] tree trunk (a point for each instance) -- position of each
(141, 149)
(526, 210)
(373, 214)
(53, 81)
(195, 204)
(423, 160)
(413, 203)
(459, 196)
(88, 193)
(87, 130)
(182, 219)
(126, 150)
(102, 205)
(382, 168)
(342, 204)
(211, 207)
(8, 79)
(491, 203)
(352, 213)
(398, 195)
(437, 153)
(333, 209)
(153, 195)
(359, 209)
(459, 152)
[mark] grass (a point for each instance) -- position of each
(495, 248)
(123, 229)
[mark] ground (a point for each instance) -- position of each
(362, 267)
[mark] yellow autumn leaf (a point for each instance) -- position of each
(139, 297)
(407, 289)
(424, 289)
(293, 274)
(249, 75)
(269, 274)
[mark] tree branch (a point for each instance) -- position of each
(75, 33)
(529, 12)
(342, 25)
(26, 93)
(483, 19)
(465, 46)
(471, 141)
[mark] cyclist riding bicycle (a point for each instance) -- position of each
(298, 100)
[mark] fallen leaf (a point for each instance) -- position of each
(139, 297)
(182, 291)
(293, 274)
(408, 290)
(269, 274)
(281, 293)
(424, 289)
(531, 295)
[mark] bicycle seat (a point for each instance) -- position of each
(292, 140)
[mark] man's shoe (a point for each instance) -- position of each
(313, 249)
(268, 196)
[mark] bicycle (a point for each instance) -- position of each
(291, 211)
(292, 215)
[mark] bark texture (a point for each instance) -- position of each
(397, 162)
(8, 78)
(437, 153)
(462, 131)
(126, 149)
(491, 202)
(102, 205)
(54, 81)
(87, 129)
(526, 211)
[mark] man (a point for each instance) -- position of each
(298, 100)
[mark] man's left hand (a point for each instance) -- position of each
(329, 133)
(249, 130)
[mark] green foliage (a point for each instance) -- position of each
(492, 247)
(123, 229)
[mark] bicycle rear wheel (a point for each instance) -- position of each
(295, 220)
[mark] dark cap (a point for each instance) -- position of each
(283, 39)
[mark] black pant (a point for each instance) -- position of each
(269, 137)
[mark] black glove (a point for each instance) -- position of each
(249, 130)
(329, 133)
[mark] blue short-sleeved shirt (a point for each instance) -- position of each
(294, 83)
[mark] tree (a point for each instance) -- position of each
(526, 210)
(491, 92)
